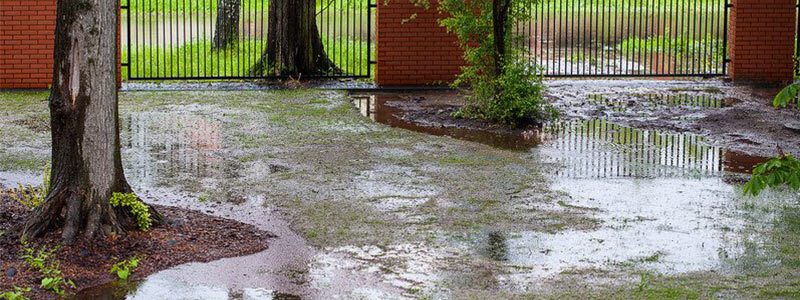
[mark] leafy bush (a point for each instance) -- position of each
(17, 294)
(125, 268)
(30, 196)
(511, 98)
(137, 207)
(782, 170)
(506, 87)
(787, 96)
(43, 261)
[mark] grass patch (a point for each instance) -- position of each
(197, 59)
(185, 6)
(686, 54)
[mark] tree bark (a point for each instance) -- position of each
(227, 28)
(500, 24)
(294, 46)
(86, 159)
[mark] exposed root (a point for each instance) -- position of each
(80, 213)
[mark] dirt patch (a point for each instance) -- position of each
(187, 236)
(432, 112)
(736, 118)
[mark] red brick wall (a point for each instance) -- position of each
(26, 43)
(761, 39)
(415, 52)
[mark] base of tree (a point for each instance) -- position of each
(184, 237)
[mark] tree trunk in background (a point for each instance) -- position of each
(86, 160)
(294, 46)
(500, 24)
(227, 28)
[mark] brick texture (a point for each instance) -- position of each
(414, 51)
(762, 34)
(26, 43)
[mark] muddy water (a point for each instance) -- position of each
(654, 199)
(664, 198)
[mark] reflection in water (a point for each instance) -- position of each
(620, 104)
(163, 146)
(594, 148)
(598, 148)
(156, 287)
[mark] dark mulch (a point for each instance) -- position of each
(187, 236)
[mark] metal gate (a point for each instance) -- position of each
(640, 38)
(175, 39)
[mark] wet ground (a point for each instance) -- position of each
(624, 197)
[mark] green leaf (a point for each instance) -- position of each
(786, 96)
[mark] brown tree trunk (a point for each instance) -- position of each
(500, 24)
(86, 160)
(227, 28)
(294, 46)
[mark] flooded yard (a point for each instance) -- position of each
(633, 193)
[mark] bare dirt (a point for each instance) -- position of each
(187, 236)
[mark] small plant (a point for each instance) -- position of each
(17, 294)
(125, 268)
(137, 207)
(37, 259)
(782, 170)
(43, 261)
(787, 96)
(30, 196)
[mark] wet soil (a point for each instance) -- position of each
(737, 118)
(187, 236)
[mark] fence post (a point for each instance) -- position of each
(762, 41)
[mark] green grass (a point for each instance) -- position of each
(154, 6)
(198, 60)
(687, 54)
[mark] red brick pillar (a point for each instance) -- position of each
(27, 29)
(414, 51)
(26, 43)
(762, 37)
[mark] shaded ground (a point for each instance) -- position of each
(363, 210)
(188, 236)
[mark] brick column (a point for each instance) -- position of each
(26, 43)
(762, 37)
(414, 51)
(27, 29)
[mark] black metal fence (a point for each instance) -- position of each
(627, 37)
(178, 39)
(796, 43)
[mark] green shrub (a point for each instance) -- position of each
(137, 207)
(125, 268)
(779, 171)
(30, 196)
(514, 98)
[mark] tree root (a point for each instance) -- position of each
(78, 213)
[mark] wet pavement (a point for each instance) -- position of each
(363, 210)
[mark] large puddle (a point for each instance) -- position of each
(664, 201)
